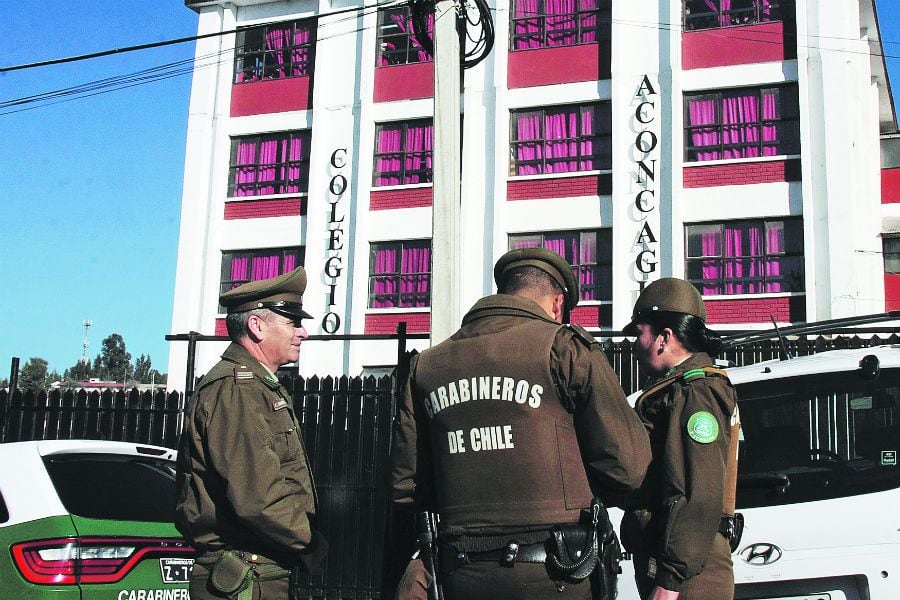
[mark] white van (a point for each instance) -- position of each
(819, 480)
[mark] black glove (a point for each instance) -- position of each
(314, 554)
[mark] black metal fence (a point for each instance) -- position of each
(346, 426)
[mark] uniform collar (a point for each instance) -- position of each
(237, 354)
(508, 305)
(698, 360)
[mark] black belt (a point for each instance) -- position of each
(507, 556)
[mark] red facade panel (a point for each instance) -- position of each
(274, 96)
(404, 82)
(740, 173)
(890, 186)
(221, 329)
(790, 309)
(257, 209)
(400, 198)
(891, 292)
(592, 315)
(742, 45)
(555, 187)
(563, 64)
(418, 322)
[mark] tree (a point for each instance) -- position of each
(115, 360)
(80, 371)
(142, 369)
(34, 375)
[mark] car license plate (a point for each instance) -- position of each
(176, 570)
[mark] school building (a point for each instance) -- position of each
(747, 145)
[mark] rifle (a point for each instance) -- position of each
(426, 536)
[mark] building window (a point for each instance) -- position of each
(403, 152)
(589, 252)
(745, 257)
(275, 51)
(400, 274)
(561, 139)
(243, 266)
(711, 14)
(743, 123)
(891, 251)
(548, 23)
(269, 164)
(397, 43)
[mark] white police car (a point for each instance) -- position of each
(82, 519)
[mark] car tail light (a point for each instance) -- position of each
(69, 561)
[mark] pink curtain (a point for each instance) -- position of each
(771, 110)
(587, 257)
(240, 272)
(712, 274)
(402, 19)
(245, 173)
(415, 264)
(774, 245)
(702, 111)
(419, 143)
(740, 126)
(300, 53)
(589, 23)
(744, 248)
(528, 127)
(389, 145)
(560, 23)
(276, 39)
(268, 157)
(385, 286)
(293, 149)
(527, 28)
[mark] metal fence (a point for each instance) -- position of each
(346, 425)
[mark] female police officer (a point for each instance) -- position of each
(679, 534)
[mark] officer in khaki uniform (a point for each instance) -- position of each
(246, 498)
(509, 427)
(680, 535)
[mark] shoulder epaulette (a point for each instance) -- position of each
(243, 374)
(686, 377)
(581, 333)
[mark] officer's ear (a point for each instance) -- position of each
(665, 337)
(559, 308)
(255, 326)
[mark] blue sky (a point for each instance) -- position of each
(91, 193)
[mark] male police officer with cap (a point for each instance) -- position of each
(246, 497)
(510, 427)
(680, 535)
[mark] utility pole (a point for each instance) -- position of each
(84, 346)
(445, 231)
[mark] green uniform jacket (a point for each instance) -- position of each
(243, 479)
(689, 423)
(515, 421)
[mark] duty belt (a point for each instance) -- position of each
(507, 556)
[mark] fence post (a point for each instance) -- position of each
(13, 384)
(191, 355)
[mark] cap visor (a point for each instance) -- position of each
(630, 329)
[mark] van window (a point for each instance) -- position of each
(114, 486)
(818, 437)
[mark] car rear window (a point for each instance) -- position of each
(818, 437)
(111, 486)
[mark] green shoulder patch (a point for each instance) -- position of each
(693, 374)
(702, 427)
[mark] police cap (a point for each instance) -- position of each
(282, 295)
(546, 260)
(668, 294)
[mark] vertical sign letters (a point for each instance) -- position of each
(646, 145)
(331, 322)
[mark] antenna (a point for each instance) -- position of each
(785, 353)
(84, 353)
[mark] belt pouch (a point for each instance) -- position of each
(573, 550)
(231, 574)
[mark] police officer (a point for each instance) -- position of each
(246, 498)
(678, 536)
(510, 427)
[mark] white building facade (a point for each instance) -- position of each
(736, 143)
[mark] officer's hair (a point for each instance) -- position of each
(690, 330)
(528, 278)
(236, 323)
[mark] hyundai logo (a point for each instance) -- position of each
(761, 554)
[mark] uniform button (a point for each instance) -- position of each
(254, 557)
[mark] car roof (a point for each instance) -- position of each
(831, 361)
(26, 488)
